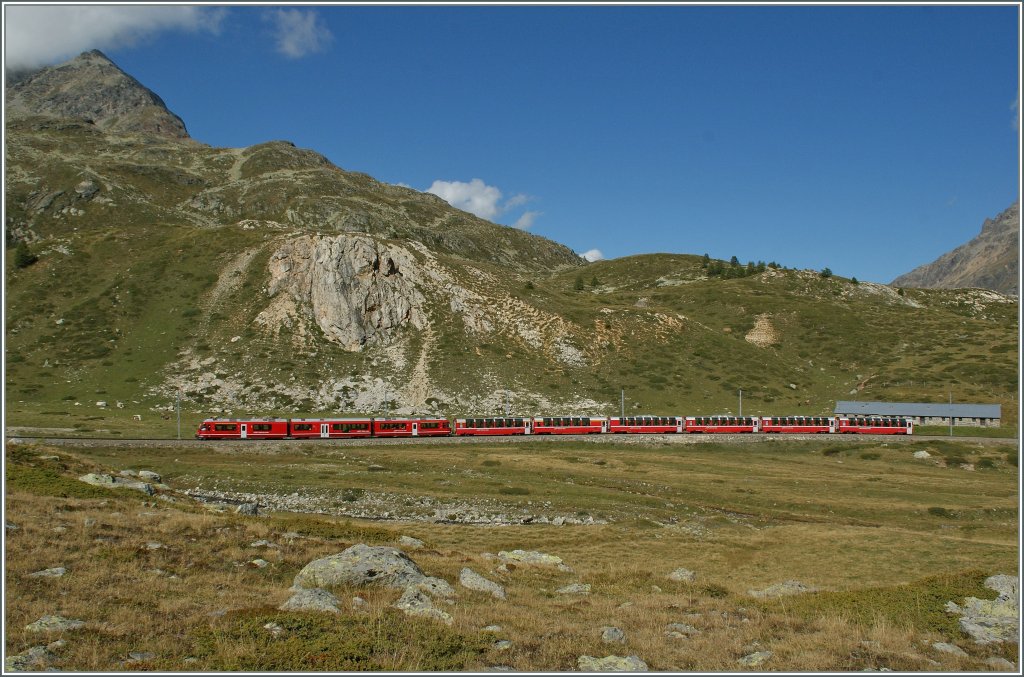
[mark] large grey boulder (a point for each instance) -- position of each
(611, 664)
(112, 482)
(992, 620)
(474, 581)
(38, 658)
(370, 565)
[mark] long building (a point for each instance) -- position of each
(926, 413)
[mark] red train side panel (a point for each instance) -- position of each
(411, 427)
(243, 429)
(493, 426)
(872, 425)
(646, 424)
(722, 424)
(569, 425)
(798, 424)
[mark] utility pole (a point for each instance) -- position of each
(950, 413)
(622, 405)
(385, 402)
(177, 408)
(507, 405)
(741, 403)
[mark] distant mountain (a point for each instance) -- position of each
(989, 261)
(91, 87)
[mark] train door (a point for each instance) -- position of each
(245, 431)
(324, 430)
(415, 429)
(604, 425)
(831, 425)
(528, 426)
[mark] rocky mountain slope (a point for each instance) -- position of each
(989, 261)
(266, 280)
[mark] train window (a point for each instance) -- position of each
(225, 427)
(519, 421)
(547, 421)
(303, 426)
(586, 421)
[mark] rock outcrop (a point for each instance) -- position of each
(358, 289)
(988, 621)
(370, 565)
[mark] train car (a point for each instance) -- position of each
(722, 424)
(493, 426)
(329, 428)
(243, 429)
(569, 425)
(798, 424)
(874, 425)
(411, 427)
(646, 424)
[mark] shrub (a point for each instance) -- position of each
(986, 463)
(23, 256)
(871, 456)
(940, 512)
(826, 273)
(514, 491)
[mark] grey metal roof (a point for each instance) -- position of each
(919, 409)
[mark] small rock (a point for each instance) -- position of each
(530, 557)
(262, 543)
(149, 476)
(358, 602)
(414, 603)
(89, 522)
(251, 509)
(154, 545)
(502, 645)
(999, 663)
(54, 623)
(411, 543)
(611, 664)
(36, 658)
(140, 656)
(376, 468)
(682, 575)
(55, 572)
(275, 629)
(111, 482)
(313, 599)
(922, 454)
(756, 658)
(474, 581)
(612, 635)
(575, 589)
(780, 589)
(682, 629)
(491, 628)
(10, 526)
(259, 563)
(946, 647)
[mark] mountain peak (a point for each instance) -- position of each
(989, 261)
(92, 87)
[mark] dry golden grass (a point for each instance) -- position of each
(212, 616)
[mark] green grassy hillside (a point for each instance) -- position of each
(153, 271)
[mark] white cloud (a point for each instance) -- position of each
(40, 35)
(299, 32)
(525, 222)
(475, 197)
(592, 255)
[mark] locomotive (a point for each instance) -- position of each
(349, 428)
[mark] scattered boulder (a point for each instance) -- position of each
(474, 581)
(946, 647)
(491, 628)
(140, 656)
(38, 658)
(532, 558)
(149, 476)
(756, 658)
(682, 575)
(611, 664)
(312, 599)
(502, 645)
(414, 602)
(54, 624)
(259, 563)
(612, 635)
(922, 454)
(681, 630)
(411, 543)
(575, 589)
(987, 621)
(369, 565)
(55, 572)
(999, 663)
(112, 482)
(251, 509)
(781, 589)
(263, 543)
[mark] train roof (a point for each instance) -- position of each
(940, 409)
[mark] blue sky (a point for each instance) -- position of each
(865, 139)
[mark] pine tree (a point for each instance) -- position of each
(23, 256)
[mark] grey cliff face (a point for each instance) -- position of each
(989, 261)
(91, 87)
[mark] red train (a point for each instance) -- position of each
(342, 428)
